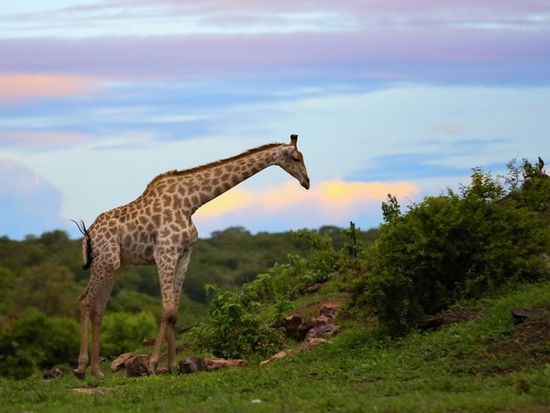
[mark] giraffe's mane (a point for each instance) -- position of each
(195, 169)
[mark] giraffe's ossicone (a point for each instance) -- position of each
(156, 228)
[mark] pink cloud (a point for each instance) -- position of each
(486, 54)
(19, 87)
(403, 7)
(40, 140)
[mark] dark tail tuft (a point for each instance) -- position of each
(89, 255)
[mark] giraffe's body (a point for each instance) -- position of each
(157, 228)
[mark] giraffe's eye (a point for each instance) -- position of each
(295, 159)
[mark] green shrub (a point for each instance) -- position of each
(529, 187)
(236, 329)
(122, 332)
(241, 322)
(447, 248)
(35, 341)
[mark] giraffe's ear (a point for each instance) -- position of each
(288, 150)
(294, 140)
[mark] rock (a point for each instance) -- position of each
(137, 366)
(312, 342)
(330, 308)
(213, 363)
(162, 370)
(53, 374)
(311, 288)
(120, 362)
(320, 320)
(277, 356)
(192, 365)
(322, 330)
(147, 342)
(295, 327)
(521, 314)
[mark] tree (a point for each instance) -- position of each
(48, 287)
(448, 247)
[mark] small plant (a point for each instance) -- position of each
(235, 329)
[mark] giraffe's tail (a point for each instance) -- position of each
(87, 247)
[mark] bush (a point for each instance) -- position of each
(122, 332)
(35, 341)
(447, 248)
(235, 328)
(242, 322)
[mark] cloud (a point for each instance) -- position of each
(423, 54)
(141, 17)
(441, 159)
(448, 128)
(15, 88)
(28, 204)
(40, 140)
(290, 206)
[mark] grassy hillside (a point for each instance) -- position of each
(425, 321)
(463, 367)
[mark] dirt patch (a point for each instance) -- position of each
(528, 344)
(93, 390)
(314, 309)
(533, 408)
(447, 317)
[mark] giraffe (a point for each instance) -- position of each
(156, 228)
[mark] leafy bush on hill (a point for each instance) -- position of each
(456, 246)
(242, 322)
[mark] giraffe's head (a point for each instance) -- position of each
(292, 161)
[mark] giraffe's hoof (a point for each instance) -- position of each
(98, 374)
(79, 374)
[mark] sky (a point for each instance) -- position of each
(387, 96)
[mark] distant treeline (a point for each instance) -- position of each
(45, 272)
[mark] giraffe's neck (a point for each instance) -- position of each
(215, 179)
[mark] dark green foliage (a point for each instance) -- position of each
(35, 341)
(122, 332)
(236, 329)
(529, 187)
(450, 247)
(242, 322)
(45, 273)
(48, 287)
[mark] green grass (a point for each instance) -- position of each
(449, 370)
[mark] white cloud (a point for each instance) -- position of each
(28, 204)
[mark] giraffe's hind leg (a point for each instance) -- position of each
(92, 306)
(80, 371)
(97, 316)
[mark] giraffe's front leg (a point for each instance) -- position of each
(172, 269)
(166, 261)
(179, 277)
